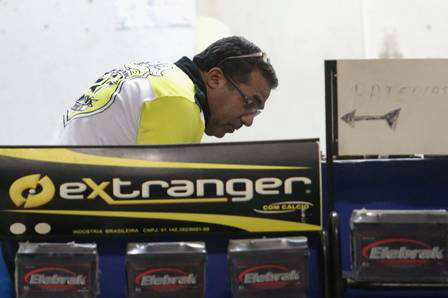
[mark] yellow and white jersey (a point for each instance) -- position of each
(142, 103)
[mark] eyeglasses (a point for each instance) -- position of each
(262, 55)
(252, 104)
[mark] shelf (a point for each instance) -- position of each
(352, 283)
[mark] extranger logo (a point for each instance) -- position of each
(32, 191)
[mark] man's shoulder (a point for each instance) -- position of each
(173, 82)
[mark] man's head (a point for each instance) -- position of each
(239, 79)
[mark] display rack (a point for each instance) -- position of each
(125, 164)
(373, 71)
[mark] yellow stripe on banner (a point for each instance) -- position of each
(66, 156)
(249, 224)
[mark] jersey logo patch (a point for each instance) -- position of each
(101, 95)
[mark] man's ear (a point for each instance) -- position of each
(215, 78)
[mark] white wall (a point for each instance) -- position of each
(406, 28)
(298, 36)
(52, 49)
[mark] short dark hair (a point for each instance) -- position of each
(238, 69)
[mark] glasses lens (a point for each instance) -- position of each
(252, 106)
(266, 58)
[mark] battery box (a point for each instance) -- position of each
(166, 269)
(407, 246)
(269, 267)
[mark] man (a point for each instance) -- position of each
(222, 89)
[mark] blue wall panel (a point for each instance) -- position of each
(388, 184)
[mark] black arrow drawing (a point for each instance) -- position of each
(391, 118)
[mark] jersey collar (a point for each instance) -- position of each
(187, 66)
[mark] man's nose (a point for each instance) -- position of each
(248, 119)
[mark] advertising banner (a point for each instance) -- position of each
(147, 190)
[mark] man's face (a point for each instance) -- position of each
(228, 109)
